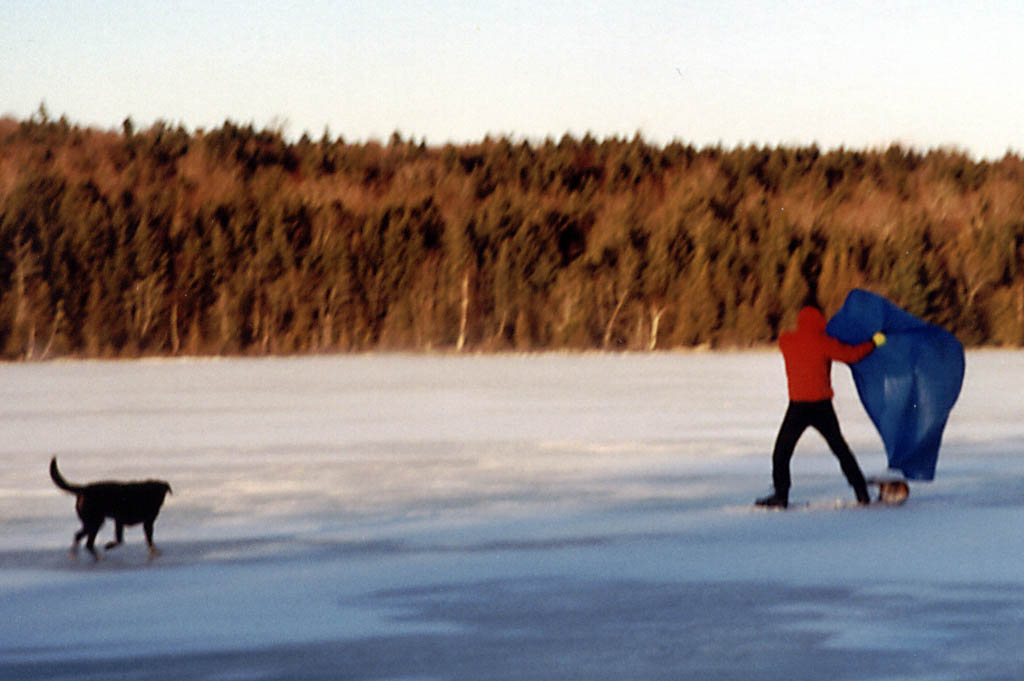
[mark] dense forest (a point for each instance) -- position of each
(164, 241)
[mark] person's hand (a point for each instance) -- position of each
(879, 339)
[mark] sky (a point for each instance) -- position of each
(864, 74)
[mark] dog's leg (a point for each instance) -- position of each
(78, 537)
(118, 536)
(147, 527)
(90, 544)
(92, 529)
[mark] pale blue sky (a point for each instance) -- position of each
(859, 74)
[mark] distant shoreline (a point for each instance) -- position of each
(235, 241)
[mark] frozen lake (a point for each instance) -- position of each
(512, 517)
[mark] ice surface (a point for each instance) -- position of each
(508, 517)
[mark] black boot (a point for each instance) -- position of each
(774, 500)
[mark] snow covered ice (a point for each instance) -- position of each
(500, 517)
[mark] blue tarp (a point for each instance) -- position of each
(909, 385)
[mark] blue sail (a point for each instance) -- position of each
(909, 385)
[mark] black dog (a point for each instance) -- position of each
(128, 503)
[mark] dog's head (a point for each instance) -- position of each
(161, 485)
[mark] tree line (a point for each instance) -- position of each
(165, 241)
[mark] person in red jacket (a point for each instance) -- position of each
(808, 353)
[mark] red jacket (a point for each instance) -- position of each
(809, 352)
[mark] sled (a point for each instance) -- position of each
(892, 491)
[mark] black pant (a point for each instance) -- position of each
(820, 415)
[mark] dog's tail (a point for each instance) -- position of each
(59, 480)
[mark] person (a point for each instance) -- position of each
(808, 353)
